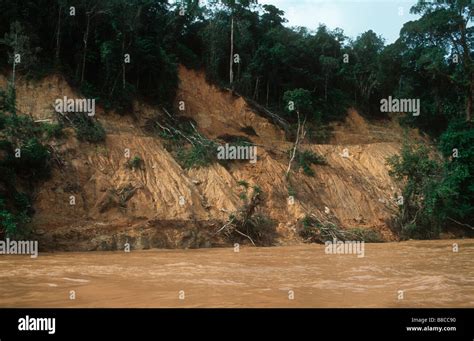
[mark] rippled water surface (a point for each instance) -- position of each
(429, 273)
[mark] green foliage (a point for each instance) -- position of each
(250, 224)
(21, 127)
(302, 102)
(8, 222)
(291, 191)
(413, 165)
(34, 159)
(256, 190)
(188, 57)
(243, 194)
(278, 64)
(364, 69)
(260, 228)
(53, 130)
(7, 100)
(24, 160)
(314, 231)
(3, 121)
(191, 149)
(309, 231)
(90, 50)
(420, 176)
(423, 61)
(277, 60)
(14, 220)
(318, 133)
(243, 183)
(198, 155)
(135, 163)
(88, 129)
(456, 190)
(304, 159)
(18, 43)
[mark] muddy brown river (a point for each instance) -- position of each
(406, 274)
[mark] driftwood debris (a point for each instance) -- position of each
(55, 155)
(239, 221)
(277, 120)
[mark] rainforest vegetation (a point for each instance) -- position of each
(119, 50)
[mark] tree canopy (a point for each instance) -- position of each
(118, 50)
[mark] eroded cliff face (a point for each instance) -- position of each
(162, 205)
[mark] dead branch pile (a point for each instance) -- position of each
(247, 223)
(319, 231)
(277, 120)
(175, 127)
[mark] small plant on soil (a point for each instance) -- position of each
(306, 158)
(135, 163)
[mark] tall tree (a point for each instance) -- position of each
(21, 55)
(92, 9)
(235, 6)
(446, 25)
(366, 51)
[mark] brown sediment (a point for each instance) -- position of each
(114, 202)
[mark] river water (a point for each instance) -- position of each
(406, 274)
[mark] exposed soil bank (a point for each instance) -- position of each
(163, 205)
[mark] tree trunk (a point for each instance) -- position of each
(14, 60)
(300, 135)
(468, 70)
(255, 93)
(238, 70)
(12, 91)
(231, 73)
(58, 35)
(123, 62)
(13, 73)
(268, 90)
(326, 89)
(85, 39)
(469, 102)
